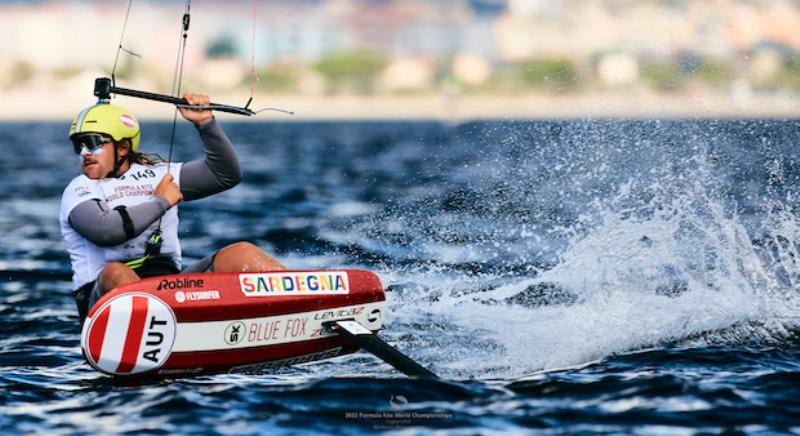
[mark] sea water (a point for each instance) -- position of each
(561, 276)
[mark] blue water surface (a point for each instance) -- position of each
(561, 276)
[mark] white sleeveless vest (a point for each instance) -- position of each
(134, 187)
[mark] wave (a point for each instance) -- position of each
(666, 255)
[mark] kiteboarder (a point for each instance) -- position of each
(119, 218)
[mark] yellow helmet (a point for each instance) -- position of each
(108, 119)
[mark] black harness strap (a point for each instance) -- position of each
(117, 161)
(127, 222)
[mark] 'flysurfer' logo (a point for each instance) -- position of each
(182, 296)
(294, 283)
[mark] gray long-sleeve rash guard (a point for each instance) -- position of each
(218, 171)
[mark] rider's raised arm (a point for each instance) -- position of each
(217, 171)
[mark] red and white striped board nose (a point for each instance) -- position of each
(129, 334)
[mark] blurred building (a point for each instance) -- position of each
(614, 37)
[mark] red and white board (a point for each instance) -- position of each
(186, 324)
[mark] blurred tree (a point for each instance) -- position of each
(548, 74)
(221, 47)
(21, 71)
(278, 77)
(352, 71)
(715, 72)
(791, 74)
(663, 76)
(16, 74)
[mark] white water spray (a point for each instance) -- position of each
(662, 261)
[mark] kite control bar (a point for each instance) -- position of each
(103, 88)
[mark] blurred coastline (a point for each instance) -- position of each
(391, 59)
(24, 106)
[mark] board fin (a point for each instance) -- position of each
(364, 338)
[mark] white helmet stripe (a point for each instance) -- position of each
(81, 117)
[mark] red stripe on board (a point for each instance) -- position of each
(98, 333)
(134, 337)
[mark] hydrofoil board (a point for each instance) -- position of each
(188, 324)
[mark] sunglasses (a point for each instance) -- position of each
(91, 142)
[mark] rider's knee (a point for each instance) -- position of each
(114, 272)
(241, 247)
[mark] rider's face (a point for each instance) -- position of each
(98, 162)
